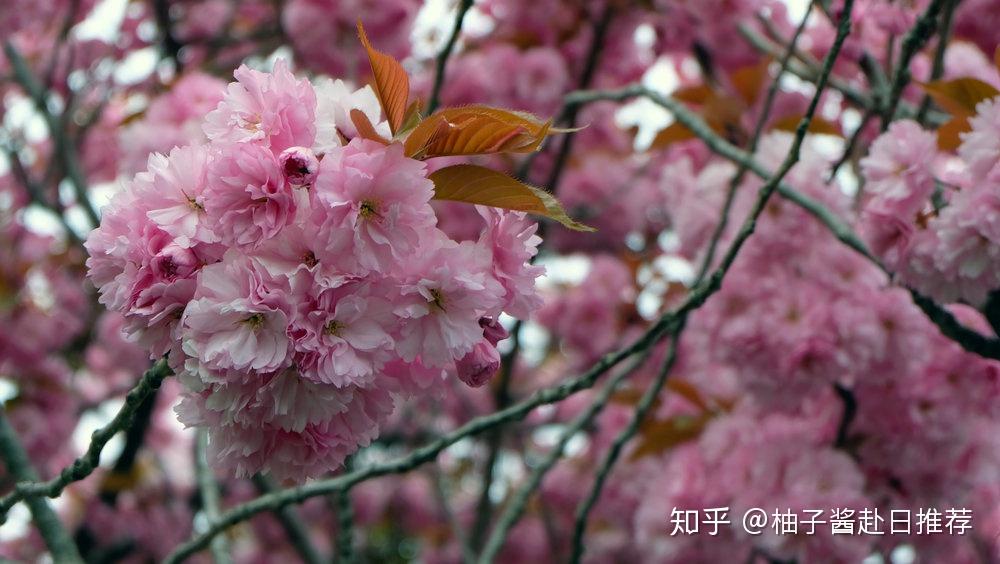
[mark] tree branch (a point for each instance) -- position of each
(938, 67)
(515, 508)
(19, 466)
(915, 39)
(445, 54)
(210, 497)
(734, 183)
(295, 529)
(85, 465)
(62, 146)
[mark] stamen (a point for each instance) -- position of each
(369, 209)
(437, 298)
(255, 321)
(333, 328)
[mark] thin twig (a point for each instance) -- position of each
(15, 458)
(441, 495)
(849, 148)
(85, 464)
(445, 54)
(570, 113)
(734, 183)
(515, 508)
(806, 71)
(746, 230)
(494, 439)
(638, 416)
(295, 529)
(62, 146)
(915, 39)
(937, 70)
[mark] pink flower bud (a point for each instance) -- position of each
(300, 165)
(174, 262)
(492, 330)
(477, 367)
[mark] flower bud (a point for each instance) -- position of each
(299, 165)
(174, 262)
(477, 367)
(492, 330)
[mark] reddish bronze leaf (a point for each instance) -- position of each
(391, 84)
(479, 185)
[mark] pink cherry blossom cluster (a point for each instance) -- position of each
(934, 218)
(297, 279)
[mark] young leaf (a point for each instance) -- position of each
(675, 133)
(479, 185)
(391, 84)
(657, 437)
(949, 134)
(748, 81)
(959, 96)
(476, 130)
(411, 117)
(697, 94)
(365, 128)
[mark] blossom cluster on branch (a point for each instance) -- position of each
(293, 273)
